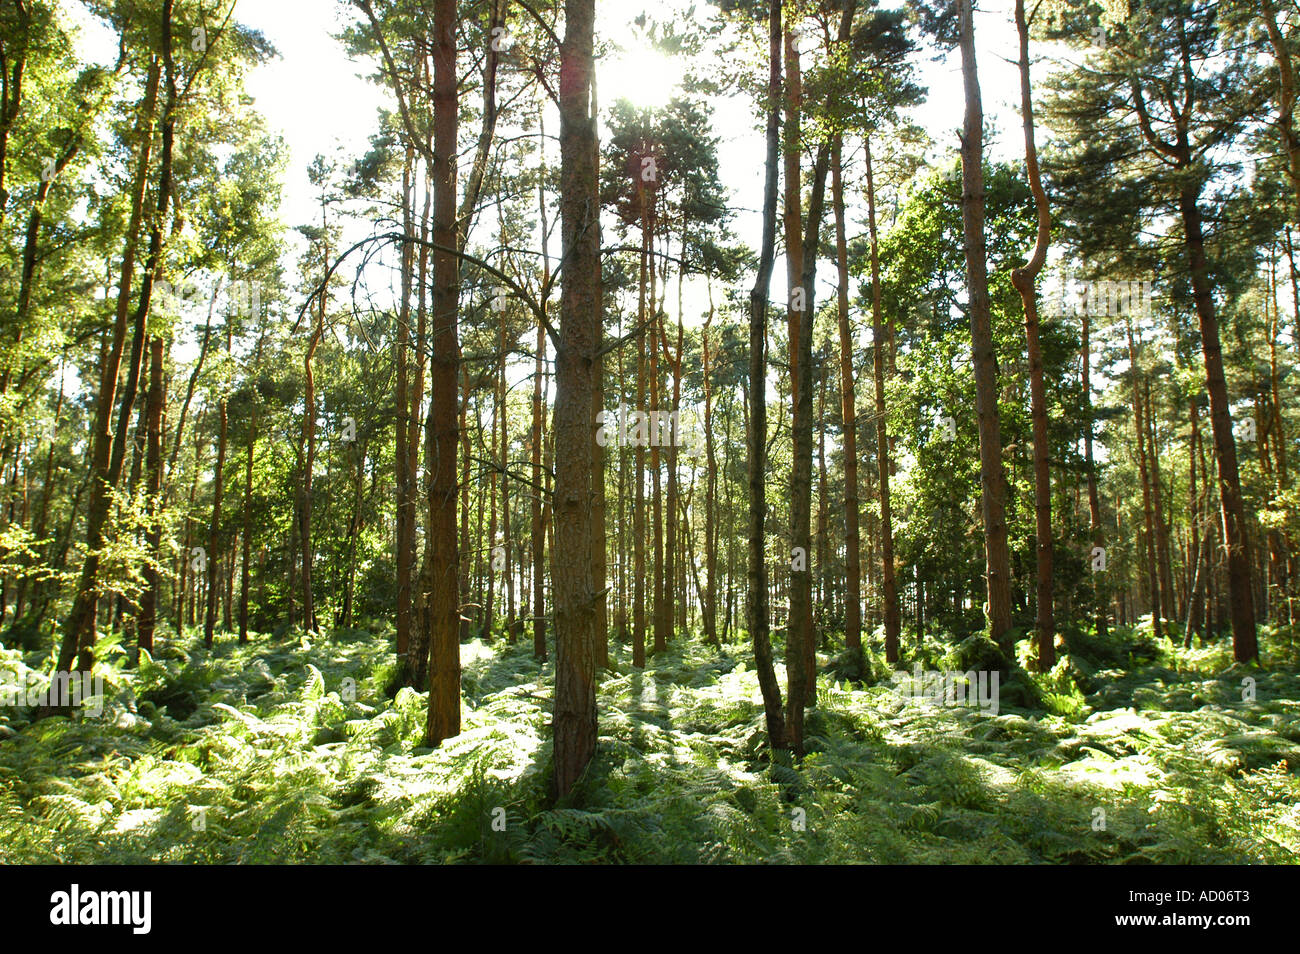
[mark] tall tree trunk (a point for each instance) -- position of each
(499, 480)
(1245, 647)
(799, 642)
(599, 539)
(507, 573)
(204, 342)
(1196, 509)
(1280, 543)
(185, 577)
(757, 613)
(823, 517)
(709, 607)
(660, 608)
(575, 596)
(884, 466)
(848, 413)
(309, 444)
(638, 510)
(438, 599)
(214, 527)
(1094, 498)
(354, 531)
(674, 596)
(992, 481)
(79, 625)
(1025, 278)
(599, 569)
(538, 531)
(1163, 564)
(489, 595)
(404, 476)
(539, 407)
(247, 535)
(154, 401)
(1144, 474)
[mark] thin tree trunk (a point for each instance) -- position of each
(539, 373)
(154, 402)
(247, 535)
(823, 518)
(1094, 498)
(404, 476)
(309, 444)
(354, 531)
(848, 412)
(1153, 581)
(489, 595)
(992, 480)
(709, 607)
(757, 613)
(884, 466)
(599, 539)
(1025, 278)
(659, 609)
(214, 527)
(638, 510)
(1163, 566)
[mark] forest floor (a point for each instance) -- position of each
(1128, 752)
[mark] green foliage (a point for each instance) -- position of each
(265, 753)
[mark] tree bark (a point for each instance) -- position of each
(309, 445)
(638, 510)
(1286, 97)
(992, 480)
(1094, 498)
(539, 407)
(1148, 514)
(79, 625)
(799, 641)
(438, 599)
(214, 527)
(404, 476)
(848, 412)
(1025, 278)
(884, 466)
(153, 534)
(757, 613)
(247, 535)
(1245, 647)
(709, 603)
(575, 595)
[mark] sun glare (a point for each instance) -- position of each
(642, 75)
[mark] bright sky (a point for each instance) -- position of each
(318, 99)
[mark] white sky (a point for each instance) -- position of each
(318, 99)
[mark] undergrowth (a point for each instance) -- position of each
(1127, 752)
